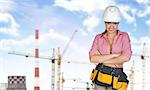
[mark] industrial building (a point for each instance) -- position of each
(14, 83)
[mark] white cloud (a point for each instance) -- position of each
(92, 8)
(6, 5)
(142, 1)
(28, 43)
(83, 32)
(87, 6)
(147, 22)
(10, 44)
(12, 26)
(140, 40)
(125, 10)
(47, 40)
(55, 37)
(145, 12)
(91, 22)
(4, 44)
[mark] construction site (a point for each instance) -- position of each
(58, 79)
(46, 44)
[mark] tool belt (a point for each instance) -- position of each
(109, 77)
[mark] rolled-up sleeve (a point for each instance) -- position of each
(126, 49)
(94, 48)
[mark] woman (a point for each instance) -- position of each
(110, 50)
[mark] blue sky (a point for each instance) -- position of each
(56, 20)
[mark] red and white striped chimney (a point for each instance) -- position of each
(36, 69)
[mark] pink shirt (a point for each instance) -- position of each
(121, 45)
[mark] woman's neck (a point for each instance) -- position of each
(111, 35)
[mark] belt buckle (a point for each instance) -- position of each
(113, 71)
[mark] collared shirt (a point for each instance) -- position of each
(121, 45)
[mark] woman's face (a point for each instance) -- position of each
(111, 27)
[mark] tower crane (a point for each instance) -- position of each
(143, 57)
(132, 74)
(143, 66)
(48, 58)
(60, 56)
(53, 71)
(27, 55)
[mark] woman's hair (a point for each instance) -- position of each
(103, 32)
(106, 32)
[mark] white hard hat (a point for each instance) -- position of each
(112, 14)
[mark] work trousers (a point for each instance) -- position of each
(97, 87)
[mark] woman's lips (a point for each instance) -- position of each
(111, 29)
